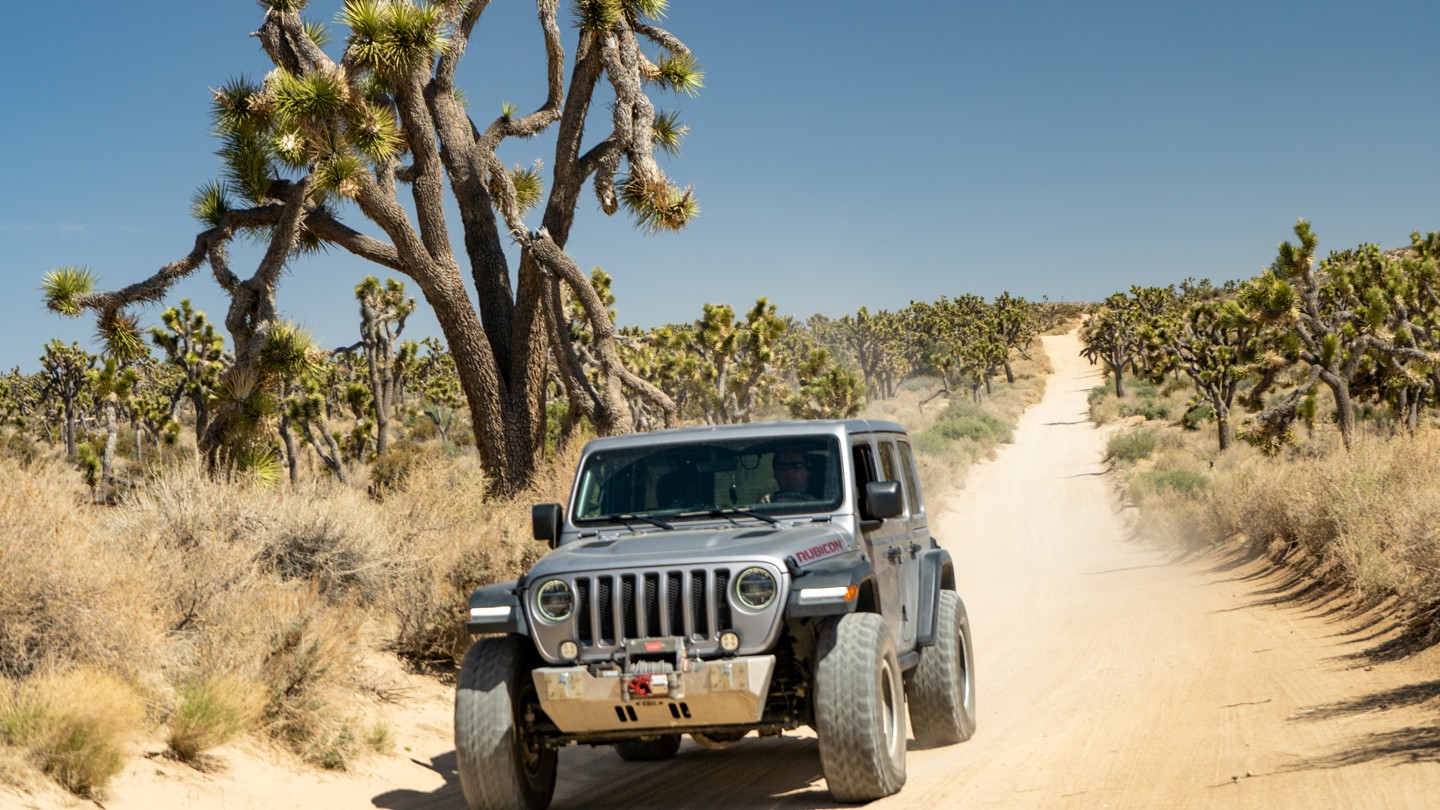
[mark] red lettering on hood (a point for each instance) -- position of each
(819, 552)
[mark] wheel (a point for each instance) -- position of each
(942, 687)
(860, 708)
(498, 768)
(652, 750)
(717, 740)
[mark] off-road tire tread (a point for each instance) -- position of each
(848, 708)
(939, 711)
(487, 754)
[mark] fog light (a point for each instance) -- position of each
(569, 649)
(729, 641)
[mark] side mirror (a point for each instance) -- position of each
(545, 521)
(882, 500)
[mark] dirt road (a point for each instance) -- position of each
(1108, 677)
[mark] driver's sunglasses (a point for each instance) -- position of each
(790, 465)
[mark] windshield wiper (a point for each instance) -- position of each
(627, 518)
(727, 511)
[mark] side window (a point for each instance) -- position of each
(912, 478)
(890, 467)
(864, 471)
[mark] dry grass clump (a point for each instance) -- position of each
(211, 710)
(73, 726)
(1368, 520)
(69, 594)
(460, 541)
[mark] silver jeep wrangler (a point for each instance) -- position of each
(716, 581)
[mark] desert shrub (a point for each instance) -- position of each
(1131, 445)
(967, 420)
(73, 726)
(1182, 482)
(210, 711)
(391, 472)
(69, 593)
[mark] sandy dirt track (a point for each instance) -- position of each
(1109, 676)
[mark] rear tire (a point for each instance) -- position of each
(659, 748)
(942, 687)
(860, 708)
(498, 768)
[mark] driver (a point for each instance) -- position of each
(792, 476)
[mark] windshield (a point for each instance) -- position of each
(769, 476)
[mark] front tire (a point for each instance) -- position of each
(498, 767)
(860, 708)
(942, 687)
(652, 750)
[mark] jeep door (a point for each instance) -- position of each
(884, 542)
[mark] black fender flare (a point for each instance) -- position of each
(937, 573)
(844, 574)
(488, 600)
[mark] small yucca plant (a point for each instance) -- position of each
(64, 285)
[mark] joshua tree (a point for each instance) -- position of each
(383, 311)
(827, 391)
(1216, 343)
(319, 132)
(192, 345)
(1016, 326)
(1113, 336)
(63, 372)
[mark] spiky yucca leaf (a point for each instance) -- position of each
(596, 15)
(318, 33)
(654, 9)
(393, 37)
(508, 109)
(121, 333)
(341, 175)
(315, 97)
(63, 285)
(291, 148)
(669, 132)
(529, 186)
(236, 385)
(260, 466)
(286, 351)
(681, 73)
(210, 202)
(658, 206)
(374, 132)
(247, 165)
(238, 106)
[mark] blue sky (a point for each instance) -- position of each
(844, 154)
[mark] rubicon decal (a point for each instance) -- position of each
(820, 552)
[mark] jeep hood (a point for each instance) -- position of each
(706, 545)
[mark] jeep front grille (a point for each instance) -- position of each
(611, 608)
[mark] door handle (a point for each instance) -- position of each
(915, 550)
(893, 554)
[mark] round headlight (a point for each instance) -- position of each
(555, 600)
(755, 588)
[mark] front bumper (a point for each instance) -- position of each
(708, 693)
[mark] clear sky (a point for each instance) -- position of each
(844, 154)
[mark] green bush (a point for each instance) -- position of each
(1131, 446)
(1182, 482)
(964, 420)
